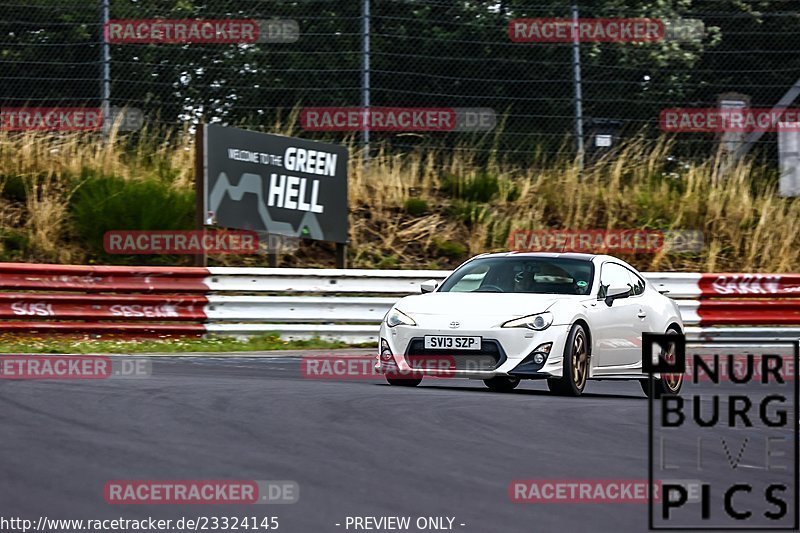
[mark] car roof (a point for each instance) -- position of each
(598, 259)
(544, 255)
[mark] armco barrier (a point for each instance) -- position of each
(138, 301)
(76, 278)
(334, 304)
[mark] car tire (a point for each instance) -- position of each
(668, 384)
(404, 382)
(501, 383)
(575, 370)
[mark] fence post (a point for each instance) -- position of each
(576, 83)
(365, 79)
(105, 62)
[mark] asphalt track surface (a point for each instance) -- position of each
(356, 447)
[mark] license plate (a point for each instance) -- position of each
(449, 342)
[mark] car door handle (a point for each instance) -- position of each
(641, 313)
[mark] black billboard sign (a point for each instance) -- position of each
(281, 185)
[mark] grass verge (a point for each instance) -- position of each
(83, 345)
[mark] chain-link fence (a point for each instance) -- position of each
(440, 54)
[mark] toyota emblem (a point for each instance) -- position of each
(454, 324)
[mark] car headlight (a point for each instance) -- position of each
(536, 322)
(395, 318)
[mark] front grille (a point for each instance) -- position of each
(489, 357)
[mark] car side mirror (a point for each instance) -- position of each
(616, 292)
(428, 286)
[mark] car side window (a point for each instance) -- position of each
(614, 274)
(637, 283)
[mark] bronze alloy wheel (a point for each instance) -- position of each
(671, 381)
(669, 384)
(575, 368)
(580, 360)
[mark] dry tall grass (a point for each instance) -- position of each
(747, 226)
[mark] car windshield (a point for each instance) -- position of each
(532, 275)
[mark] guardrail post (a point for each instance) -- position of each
(199, 188)
(341, 255)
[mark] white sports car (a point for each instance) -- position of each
(503, 317)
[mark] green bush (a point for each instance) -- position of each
(498, 232)
(450, 249)
(509, 191)
(482, 187)
(13, 243)
(654, 210)
(389, 261)
(108, 203)
(415, 206)
(467, 212)
(13, 188)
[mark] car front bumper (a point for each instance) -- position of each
(401, 352)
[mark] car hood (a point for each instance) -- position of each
(465, 304)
